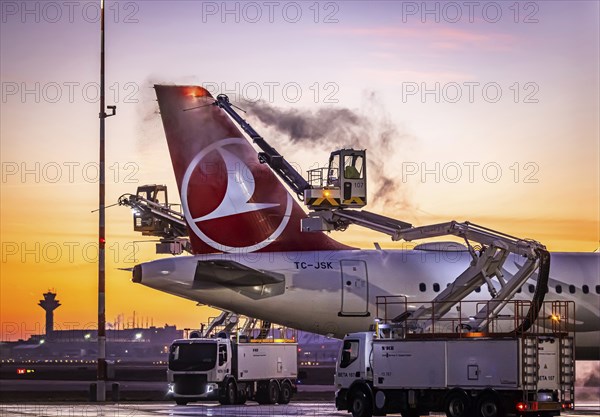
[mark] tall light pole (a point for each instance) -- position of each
(101, 376)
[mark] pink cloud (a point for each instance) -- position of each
(439, 37)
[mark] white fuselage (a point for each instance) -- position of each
(335, 292)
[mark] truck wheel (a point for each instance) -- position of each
(360, 404)
(273, 392)
(285, 394)
(268, 394)
(181, 402)
(489, 405)
(241, 397)
(230, 394)
(457, 404)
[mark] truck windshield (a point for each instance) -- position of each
(192, 356)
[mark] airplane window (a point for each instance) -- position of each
(422, 287)
(478, 289)
(572, 289)
(597, 289)
(519, 289)
(531, 288)
(585, 289)
(558, 289)
(436, 287)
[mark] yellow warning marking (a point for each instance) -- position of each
(321, 200)
(355, 200)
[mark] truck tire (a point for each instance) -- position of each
(489, 405)
(230, 395)
(285, 394)
(457, 404)
(361, 404)
(242, 396)
(268, 393)
(273, 392)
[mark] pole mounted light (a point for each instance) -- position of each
(101, 374)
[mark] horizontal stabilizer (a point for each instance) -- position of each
(233, 274)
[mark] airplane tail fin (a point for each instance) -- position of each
(232, 203)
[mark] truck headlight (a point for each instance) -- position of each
(171, 389)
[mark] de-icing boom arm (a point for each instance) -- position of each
(269, 155)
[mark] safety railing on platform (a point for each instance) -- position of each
(244, 329)
(393, 318)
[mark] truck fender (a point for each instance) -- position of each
(490, 391)
(226, 379)
(362, 385)
(359, 399)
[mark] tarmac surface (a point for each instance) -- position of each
(75, 392)
(157, 409)
(147, 399)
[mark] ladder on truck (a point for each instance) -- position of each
(529, 363)
(567, 370)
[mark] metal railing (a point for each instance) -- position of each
(393, 315)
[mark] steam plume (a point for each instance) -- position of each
(592, 379)
(332, 128)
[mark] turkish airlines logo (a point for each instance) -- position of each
(236, 200)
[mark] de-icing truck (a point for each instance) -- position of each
(405, 369)
(232, 369)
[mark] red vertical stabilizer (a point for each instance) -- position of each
(232, 203)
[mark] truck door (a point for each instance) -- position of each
(348, 365)
(355, 288)
(352, 360)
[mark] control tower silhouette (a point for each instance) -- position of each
(49, 304)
